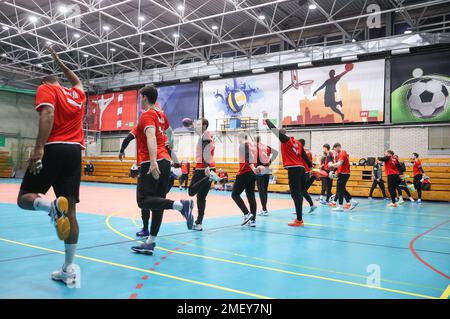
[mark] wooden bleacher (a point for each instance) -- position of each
(6, 166)
(111, 170)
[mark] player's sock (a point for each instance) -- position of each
(70, 255)
(42, 204)
(150, 240)
(177, 205)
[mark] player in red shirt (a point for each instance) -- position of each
(418, 175)
(309, 178)
(246, 179)
(56, 161)
(343, 173)
(185, 168)
(145, 213)
(205, 168)
(265, 155)
(294, 160)
(327, 182)
(154, 172)
(392, 173)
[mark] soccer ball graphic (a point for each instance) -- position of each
(427, 98)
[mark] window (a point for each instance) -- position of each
(376, 33)
(110, 145)
(439, 138)
(260, 50)
(274, 48)
(231, 54)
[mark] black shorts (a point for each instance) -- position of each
(147, 186)
(61, 170)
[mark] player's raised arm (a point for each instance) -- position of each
(70, 75)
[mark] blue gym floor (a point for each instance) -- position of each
(328, 258)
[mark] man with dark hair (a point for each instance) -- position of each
(265, 155)
(294, 160)
(56, 161)
(204, 172)
(327, 182)
(392, 173)
(154, 161)
(377, 176)
(418, 173)
(343, 175)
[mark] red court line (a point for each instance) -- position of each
(411, 247)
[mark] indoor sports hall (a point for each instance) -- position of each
(224, 149)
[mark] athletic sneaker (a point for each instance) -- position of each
(247, 218)
(197, 227)
(312, 209)
(213, 177)
(294, 213)
(353, 204)
(263, 213)
(251, 223)
(419, 201)
(392, 205)
(296, 223)
(412, 200)
(387, 198)
(370, 198)
(332, 204)
(347, 206)
(69, 276)
(186, 211)
(400, 201)
(338, 208)
(146, 249)
(58, 211)
(143, 233)
(324, 202)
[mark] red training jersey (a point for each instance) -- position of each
(68, 105)
(390, 165)
(417, 167)
(184, 167)
(208, 140)
(263, 152)
(345, 167)
(151, 118)
(245, 161)
(291, 153)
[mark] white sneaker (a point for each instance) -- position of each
(263, 213)
(247, 218)
(251, 223)
(353, 204)
(197, 227)
(58, 217)
(312, 209)
(400, 201)
(213, 177)
(69, 277)
(412, 200)
(338, 208)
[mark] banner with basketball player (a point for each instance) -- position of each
(112, 111)
(238, 103)
(420, 86)
(345, 93)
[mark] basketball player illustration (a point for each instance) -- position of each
(102, 105)
(330, 90)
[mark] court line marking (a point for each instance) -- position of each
(133, 219)
(108, 224)
(411, 247)
(446, 293)
(111, 263)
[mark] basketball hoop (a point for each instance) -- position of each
(306, 84)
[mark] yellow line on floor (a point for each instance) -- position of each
(108, 224)
(446, 293)
(195, 282)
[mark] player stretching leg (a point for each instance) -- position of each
(204, 171)
(294, 160)
(56, 161)
(418, 175)
(392, 173)
(154, 161)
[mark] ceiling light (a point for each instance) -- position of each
(176, 35)
(142, 43)
(86, 55)
(312, 7)
(185, 80)
(215, 76)
(63, 9)
(4, 55)
(353, 40)
(112, 50)
(141, 18)
(349, 58)
(400, 51)
(49, 42)
(180, 7)
(76, 35)
(32, 19)
(39, 65)
(407, 31)
(304, 64)
(4, 27)
(106, 28)
(259, 70)
(261, 17)
(214, 27)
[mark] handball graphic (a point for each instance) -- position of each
(427, 98)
